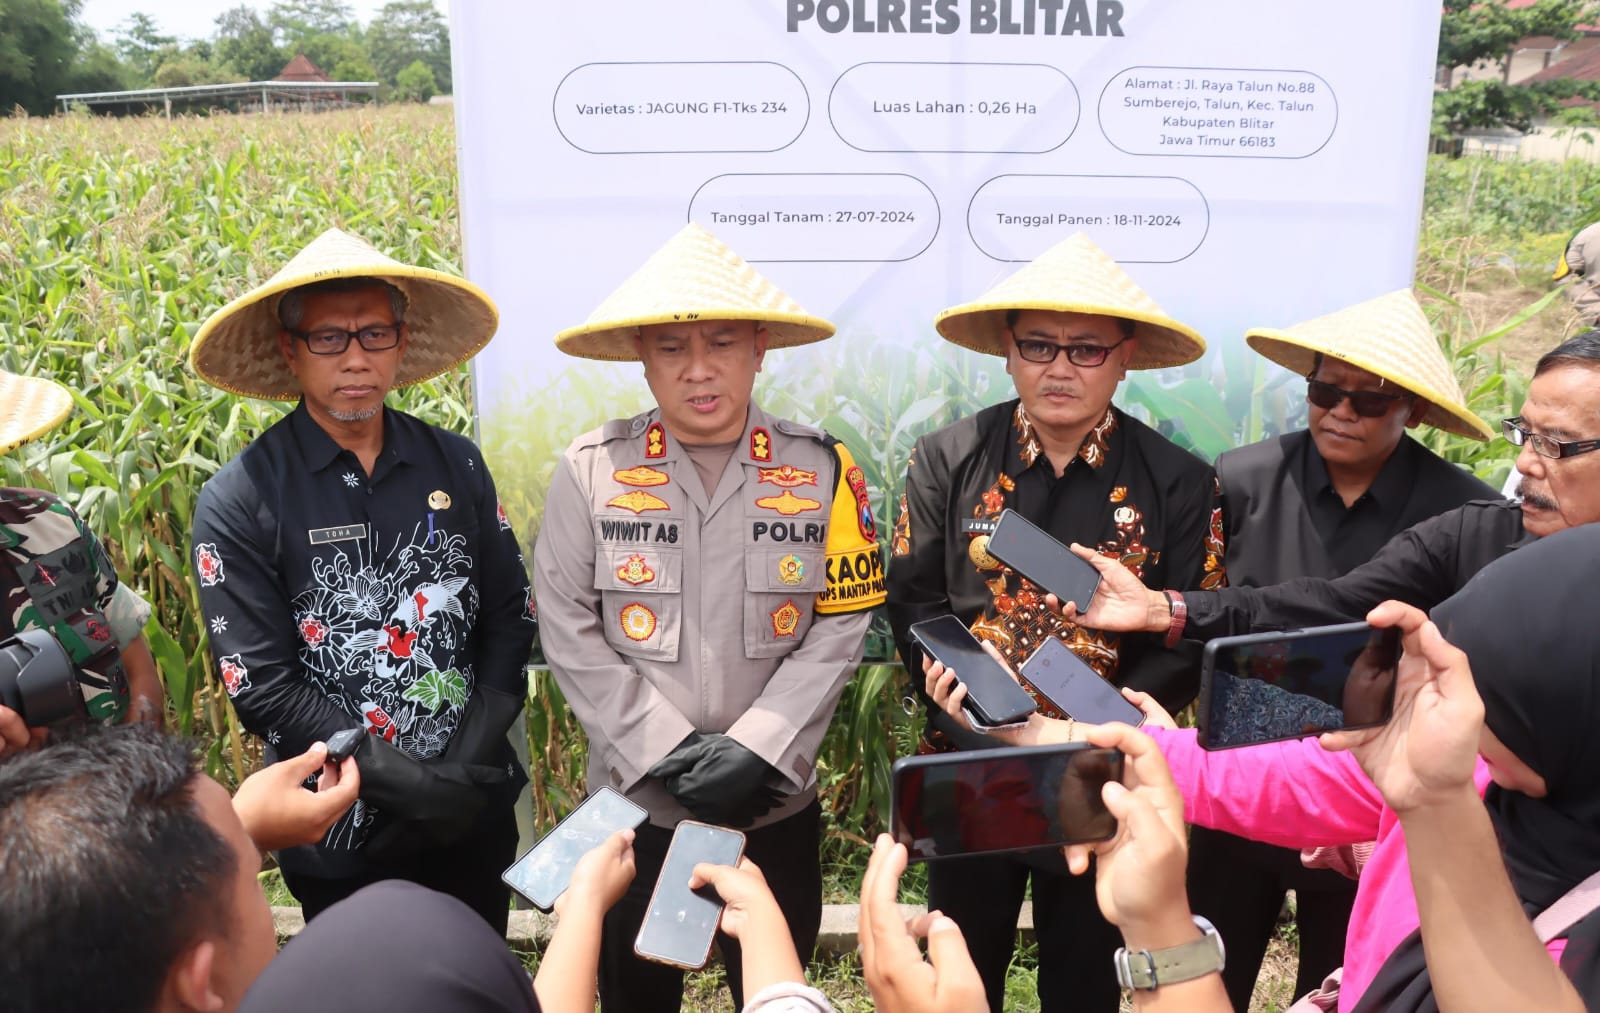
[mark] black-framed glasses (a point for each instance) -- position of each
(1034, 350)
(334, 340)
(1369, 404)
(1517, 433)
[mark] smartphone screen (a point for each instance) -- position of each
(1027, 549)
(681, 923)
(993, 696)
(1075, 688)
(1275, 686)
(995, 800)
(544, 873)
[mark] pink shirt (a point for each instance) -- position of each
(1298, 795)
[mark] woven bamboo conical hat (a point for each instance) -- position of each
(1388, 336)
(448, 320)
(29, 408)
(1074, 276)
(695, 276)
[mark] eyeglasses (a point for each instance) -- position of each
(334, 340)
(1369, 404)
(1079, 355)
(1517, 434)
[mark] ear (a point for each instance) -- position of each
(1128, 348)
(1419, 408)
(189, 982)
(762, 337)
(286, 347)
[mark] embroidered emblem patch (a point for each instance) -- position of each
(791, 570)
(786, 476)
(638, 622)
(635, 571)
(638, 501)
(785, 619)
(788, 504)
(642, 476)
(438, 499)
(858, 485)
(760, 445)
(208, 564)
(655, 441)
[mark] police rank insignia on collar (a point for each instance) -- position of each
(785, 619)
(760, 445)
(655, 441)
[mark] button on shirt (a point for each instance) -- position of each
(337, 599)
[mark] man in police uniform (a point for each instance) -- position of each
(706, 572)
(1069, 326)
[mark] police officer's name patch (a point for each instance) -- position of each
(342, 533)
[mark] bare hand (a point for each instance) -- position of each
(1427, 751)
(1155, 715)
(1122, 604)
(744, 892)
(279, 813)
(15, 736)
(602, 875)
(900, 980)
(947, 691)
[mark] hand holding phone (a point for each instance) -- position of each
(1076, 689)
(680, 923)
(1029, 550)
(543, 874)
(994, 700)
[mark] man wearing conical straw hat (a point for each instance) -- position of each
(356, 571)
(1319, 502)
(706, 571)
(1069, 326)
(55, 576)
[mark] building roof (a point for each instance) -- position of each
(301, 69)
(1584, 66)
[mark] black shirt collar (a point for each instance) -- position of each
(320, 451)
(1388, 491)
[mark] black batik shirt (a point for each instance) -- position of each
(1130, 493)
(336, 599)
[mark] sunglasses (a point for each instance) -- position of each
(1369, 404)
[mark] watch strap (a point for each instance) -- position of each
(1150, 969)
(1179, 612)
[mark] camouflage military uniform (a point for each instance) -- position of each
(55, 575)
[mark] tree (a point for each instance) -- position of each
(296, 20)
(406, 31)
(245, 45)
(39, 42)
(142, 45)
(185, 69)
(1474, 32)
(415, 83)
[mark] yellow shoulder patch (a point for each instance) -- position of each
(855, 560)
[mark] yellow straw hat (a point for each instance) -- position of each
(1074, 276)
(1388, 336)
(29, 408)
(694, 276)
(448, 319)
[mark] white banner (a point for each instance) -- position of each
(1250, 164)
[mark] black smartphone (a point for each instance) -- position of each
(543, 874)
(1075, 688)
(342, 743)
(993, 697)
(680, 924)
(995, 800)
(1266, 687)
(1027, 549)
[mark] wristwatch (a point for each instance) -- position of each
(1178, 612)
(1150, 969)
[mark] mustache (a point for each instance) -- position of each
(1527, 495)
(1057, 388)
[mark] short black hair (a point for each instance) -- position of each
(292, 307)
(1124, 325)
(108, 869)
(1580, 350)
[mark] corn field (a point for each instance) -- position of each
(119, 236)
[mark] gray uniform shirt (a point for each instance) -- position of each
(665, 610)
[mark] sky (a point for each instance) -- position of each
(196, 18)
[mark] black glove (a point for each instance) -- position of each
(481, 732)
(440, 793)
(719, 780)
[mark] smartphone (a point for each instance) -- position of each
(342, 743)
(1027, 549)
(1267, 687)
(993, 697)
(997, 800)
(1076, 689)
(681, 923)
(543, 874)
